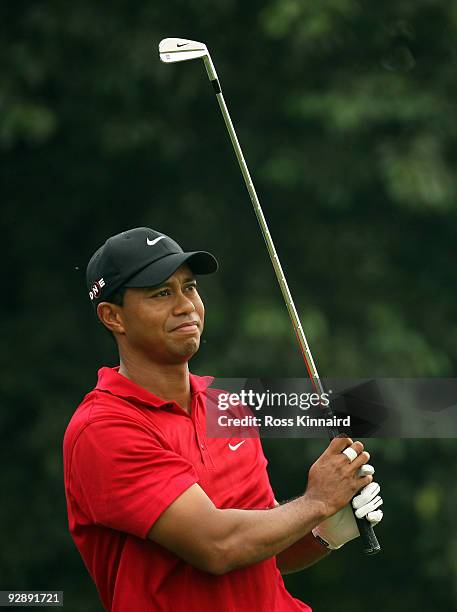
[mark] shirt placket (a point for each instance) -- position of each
(200, 432)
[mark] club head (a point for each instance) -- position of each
(180, 50)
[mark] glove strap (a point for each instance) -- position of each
(321, 541)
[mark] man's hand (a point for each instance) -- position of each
(333, 479)
(342, 527)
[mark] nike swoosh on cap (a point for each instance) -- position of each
(153, 242)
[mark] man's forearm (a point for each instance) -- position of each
(250, 536)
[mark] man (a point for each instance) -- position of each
(164, 517)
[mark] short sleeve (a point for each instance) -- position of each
(124, 476)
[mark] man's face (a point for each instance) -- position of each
(163, 323)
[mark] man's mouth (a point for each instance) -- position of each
(187, 326)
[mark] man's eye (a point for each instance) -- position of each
(192, 287)
(162, 293)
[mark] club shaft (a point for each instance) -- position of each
(308, 358)
(370, 542)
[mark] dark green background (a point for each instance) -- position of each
(346, 113)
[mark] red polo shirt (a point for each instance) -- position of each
(127, 456)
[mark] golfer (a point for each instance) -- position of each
(165, 518)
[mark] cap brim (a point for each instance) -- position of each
(200, 262)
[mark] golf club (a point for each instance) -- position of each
(172, 50)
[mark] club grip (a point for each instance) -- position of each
(369, 540)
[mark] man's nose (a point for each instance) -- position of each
(184, 304)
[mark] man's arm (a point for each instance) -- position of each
(218, 541)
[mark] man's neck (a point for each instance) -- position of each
(169, 382)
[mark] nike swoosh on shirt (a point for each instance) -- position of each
(235, 447)
(153, 242)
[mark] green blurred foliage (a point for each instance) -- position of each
(345, 110)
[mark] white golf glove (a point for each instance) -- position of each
(342, 527)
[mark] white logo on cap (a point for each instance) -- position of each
(153, 242)
(96, 288)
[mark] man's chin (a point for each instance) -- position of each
(188, 348)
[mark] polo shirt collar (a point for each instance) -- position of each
(111, 381)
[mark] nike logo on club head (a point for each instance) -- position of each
(153, 242)
(234, 447)
(181, 44)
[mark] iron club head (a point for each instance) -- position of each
(180, 50)
(173, 50)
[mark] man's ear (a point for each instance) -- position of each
(111, 317)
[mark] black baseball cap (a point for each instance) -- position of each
(140, 257)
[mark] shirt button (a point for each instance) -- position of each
(202, 446)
